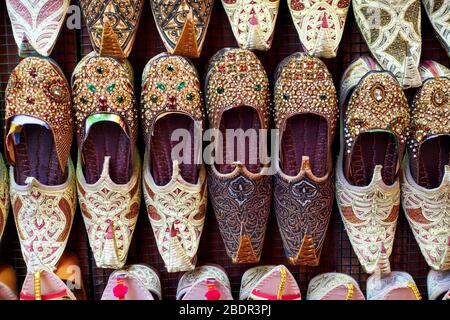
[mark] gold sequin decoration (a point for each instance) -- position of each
(170, 84)
(38, 88)
(304, 85)
(237, 78)
(103, 85)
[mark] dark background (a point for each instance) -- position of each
(337, 254)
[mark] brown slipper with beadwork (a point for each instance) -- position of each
(305, 113)
(109, 167)
(237, 96)
(39, 128)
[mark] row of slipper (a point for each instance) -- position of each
(210, 282)
(391, 29)
(375, 124)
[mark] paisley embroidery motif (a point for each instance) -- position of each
(253, 22)
(36, 24)
(320, 24)
(392, 32)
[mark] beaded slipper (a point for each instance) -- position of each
(391, 29)
(39, 128)
(174, 186)
(375, 120)
(334, 286)
(208, 282)
(269, 283)
(134, 282)
(237, 94)
(182, 25)
(36, 24)
(438, 11)
(8, 283)
(320, 24)
(305, 110)
(438, 285)
(109, 167)
(65, 283)
(112, 25)
(392, 286)
(252, 22)
(426, 171)
(4, 195)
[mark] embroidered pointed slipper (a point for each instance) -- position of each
(4, 195)
(237, 95)
(252, 22)
(39, 129)
(8, 283)
(208, 282)
(174, 182)
(426, 171)
(375, 120)
(182, 25)
(109, 168)
(134, 282)
(438, 285)
(269, 283)
(65, 283)
(112, 25)
(36, 24)
(305, 110)
(438, 11)
(392, 32)
(392, 286)
(320, 25)
(334, 286)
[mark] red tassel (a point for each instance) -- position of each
(120, 290)
(212, 293)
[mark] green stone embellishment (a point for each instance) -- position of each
(111, 87)
(220, 90)
(92, 88)
(181, 85)
(190, 96)
(323, 97)
(119, 99)
(258, 87)
(84, 100)
(154, 98)
(161, 87)
(285, 96)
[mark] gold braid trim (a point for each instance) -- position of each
(413, 287)
(37, 286)
(282, 286)
(350, 291)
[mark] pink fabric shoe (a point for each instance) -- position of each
(392, 286)
(334, 286)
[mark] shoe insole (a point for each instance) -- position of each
(434, 154)
(305, 135)
(161, 146)
(35, 156)
(105, 139)
(238, 147)
(372, 149)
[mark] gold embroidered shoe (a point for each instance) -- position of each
(375, 120)
(134, 282)
(305, 110)
(438, 285)
(391, 29)
(426, 170)
(36, 24)
(109, 168)
(65, 283)
(334, 286)
(438, 11)
(39, 128)
(4, 195)
(208, 282)
(182, 24)
(112, 25)
(269, 283)
(392, 286)
(8, 283)
(237, 94)
(319, 24)
(174, 178)
(253, 22)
